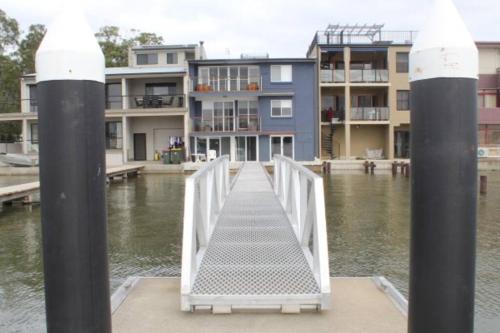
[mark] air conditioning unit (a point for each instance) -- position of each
(483, 152)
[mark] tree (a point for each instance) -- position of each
(146, 38)
(9, 32)
(29, 45)
(113, 46)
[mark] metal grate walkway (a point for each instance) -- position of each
(253, 250)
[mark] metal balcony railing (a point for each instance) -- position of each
(232, 84)
(332, 76)
(370, 113)
(156, 101)
(226, 124)
(369, 75)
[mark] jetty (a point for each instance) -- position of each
(24, 192)
(255, 247)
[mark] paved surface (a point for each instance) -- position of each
(153, 305)
(253, 249)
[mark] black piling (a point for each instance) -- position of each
(444, 175)
(70, 86)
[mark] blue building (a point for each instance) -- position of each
(252, 109)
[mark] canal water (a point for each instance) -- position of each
(368, 231)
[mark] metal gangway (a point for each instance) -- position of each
(255, 242)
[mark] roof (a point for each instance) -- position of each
(236, 61)
(488, 44)
(164, 47)
(144, 70)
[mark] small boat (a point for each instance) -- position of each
(19, 160)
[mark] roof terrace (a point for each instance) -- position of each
(336, 34)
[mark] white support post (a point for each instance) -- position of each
(25, 136)
(124, 139)
(125, 97)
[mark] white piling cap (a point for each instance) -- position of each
(444, 47)
(69, 50)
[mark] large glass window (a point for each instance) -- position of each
(282, 145)
(172, 58)
(402, 62)
(34, 133)
(247, 115)
(161, 89)
(147, 59)
(217, 116)
(281, 73)
(33, 98)
(113, 95)
(281, 108)
(114, 135)
(228, 78)
(403, 100)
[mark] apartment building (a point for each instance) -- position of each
(489, 97)
(146, 104)
(251, 109)
(363, 91)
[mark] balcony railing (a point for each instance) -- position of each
(156, 101)
(369, 75)
(329, 75)
(227, 124)
(329, 116)
(370, 113)
(235, 84)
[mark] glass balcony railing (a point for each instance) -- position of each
(205, 85)
(370, 113)
(369, 75)
(245, 123)
(332, 76)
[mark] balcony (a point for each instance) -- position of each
(370, 114)
(333, 117)
(156, 101)
(170, 101)
(332, 76)
(242, 123)
(369, 75)
(235, 84)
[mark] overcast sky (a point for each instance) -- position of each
(282, 28)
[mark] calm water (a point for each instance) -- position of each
(368, 220)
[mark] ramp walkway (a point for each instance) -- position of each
(257, 242)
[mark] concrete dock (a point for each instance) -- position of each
(358, 305)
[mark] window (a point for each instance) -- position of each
(402, 62)
(161, 89)
(32, 98)
(171, 58)
(189, 56)
(114, 135)
(403, 100)
(34, 133)
(281, 73)
(147, 59)
(113, 96)
(281, 108)
(282, 145)
(247, 116)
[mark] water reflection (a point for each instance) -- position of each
(368, 234)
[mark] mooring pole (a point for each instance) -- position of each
(70, 83)
(443, 77)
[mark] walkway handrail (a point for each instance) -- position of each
(205, 194)
(301, 194)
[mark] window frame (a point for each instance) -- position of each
(406, 64)
(281, 108)
(398, 100)
(282, 137)
(118, 139)
(281, 79)
(148, 56)
(175, 58)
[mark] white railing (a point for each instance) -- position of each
(205, 194)
(301, 194)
